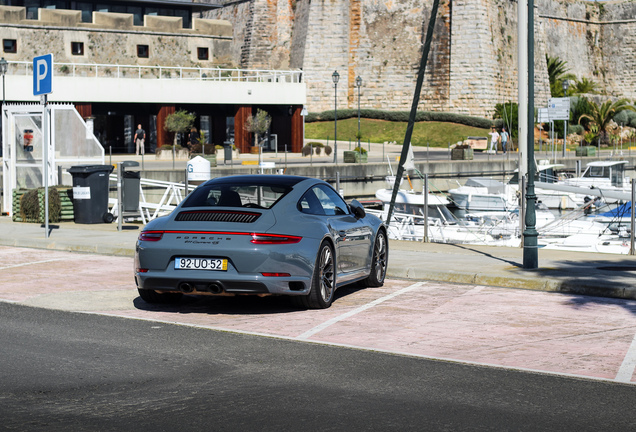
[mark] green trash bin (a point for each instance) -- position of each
(90, 193)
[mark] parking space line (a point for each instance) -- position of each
(626, 370)
(31, 263)
(355, 311)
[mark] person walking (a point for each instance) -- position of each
(140, 139)
(504, 139)
(494, 139)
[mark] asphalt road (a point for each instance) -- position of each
(74, 371)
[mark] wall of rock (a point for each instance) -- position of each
(473, 60)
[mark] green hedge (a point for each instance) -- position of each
(401, 116)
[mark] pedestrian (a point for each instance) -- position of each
(140, 139)
(504, 139)
(494, 139)
(193, 138)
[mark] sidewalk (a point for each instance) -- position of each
(603, 275)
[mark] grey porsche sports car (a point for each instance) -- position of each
(261, 235)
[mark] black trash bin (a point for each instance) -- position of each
(130, 186)
(227, 148)
(90, 193)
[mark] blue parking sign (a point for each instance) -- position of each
(43, 74)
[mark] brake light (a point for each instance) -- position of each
(151, 235)
(274, 239)
(140, 270)
(276, 274)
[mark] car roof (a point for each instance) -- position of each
(279, 180)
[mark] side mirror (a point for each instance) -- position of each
(357, 209)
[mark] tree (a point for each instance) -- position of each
(557, 72)
(583, 86)
(258, 124)
(179, 122)
(601, 115)
(509, 113)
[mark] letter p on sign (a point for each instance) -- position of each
(43, 74)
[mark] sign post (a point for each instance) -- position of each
(42, 86)
(559, 109)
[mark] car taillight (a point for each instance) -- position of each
(140, 270)
(274, 239)
(276, 274)
(151, 235)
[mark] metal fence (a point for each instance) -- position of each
(97, 70)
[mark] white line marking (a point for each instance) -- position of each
(375, 302)
(626, 370)
(31, 263)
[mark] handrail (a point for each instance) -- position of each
(99, 70)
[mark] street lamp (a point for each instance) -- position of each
(335, 76)
(358, 84)
(565, 84)
(4, 65)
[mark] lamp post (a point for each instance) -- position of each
(4, 65)
(358, 84)
(335, 77)
(565, 84)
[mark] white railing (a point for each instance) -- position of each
(96, 70)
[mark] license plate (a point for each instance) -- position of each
(200, 264)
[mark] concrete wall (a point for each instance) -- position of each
(161, 91)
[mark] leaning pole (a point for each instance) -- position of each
(416, 100)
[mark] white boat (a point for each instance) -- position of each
(407, 220)
(483, 194)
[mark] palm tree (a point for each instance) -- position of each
(557, 72)
(601, 115)
(583, 86)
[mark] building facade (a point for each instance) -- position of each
(136, 62)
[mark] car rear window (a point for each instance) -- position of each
(243, 195)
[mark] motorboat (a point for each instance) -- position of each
(408, 220)
(483, 194)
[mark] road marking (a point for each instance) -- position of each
(31, 263)
(375, 302)
(626, 370)
(355, 347)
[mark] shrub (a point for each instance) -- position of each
(199, 148)
(625, 118)
(328, 150)
(306, 151)
(360, 150)
(577, 129)
(30, 205)
(400, 116)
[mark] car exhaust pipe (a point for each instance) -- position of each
(215, 288)
(186, 287)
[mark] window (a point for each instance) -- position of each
(9, 45)
(87, 11)
(77, 48)
(322, 200)
(142, 51)
(203, 53)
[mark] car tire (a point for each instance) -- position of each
(151, 296)
(323, 281)
(108, 217)
(379, 261)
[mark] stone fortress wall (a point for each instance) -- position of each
(112, 38)
(473, 61)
